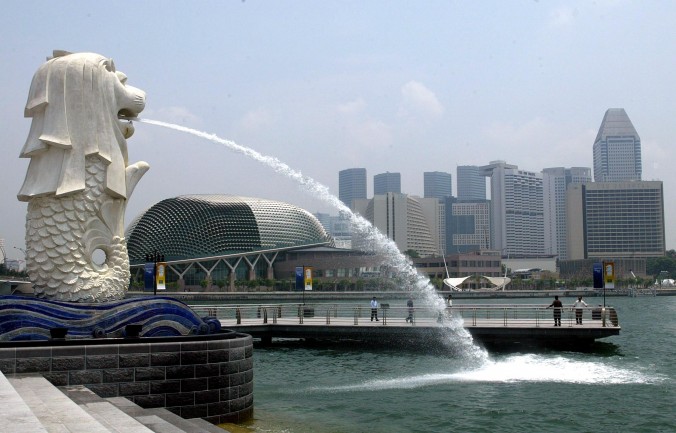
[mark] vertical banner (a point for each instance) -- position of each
(161, 275)
(149, 276)
(299, 278)
(308, 278)
(609, 274)
(597, 270)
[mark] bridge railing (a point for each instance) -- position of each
(344, 313)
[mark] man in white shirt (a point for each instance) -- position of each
(374, 309)
(578, 305)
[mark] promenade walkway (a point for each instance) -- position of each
(490, 324)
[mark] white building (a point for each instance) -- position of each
(402, 219)
(517, 220)
(555, 181)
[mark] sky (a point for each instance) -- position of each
(395, 86)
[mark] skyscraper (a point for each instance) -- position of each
(402, 219)
(386, 182)
(467, 225)
(471, 183)
(517, 222)
(351, 185)
(437, 184)
(617, 149)
(615, 219)
(555, 182)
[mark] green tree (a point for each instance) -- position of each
(412, 254)
(655, 265)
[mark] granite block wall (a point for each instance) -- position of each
(209, 377)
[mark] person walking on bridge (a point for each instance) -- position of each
(558, 305)
(374, 309)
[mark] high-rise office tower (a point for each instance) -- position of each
(517, 221)
(615, 219)
(471, 183)
(351, 185)
(468, 225)
(402, 219)
(617, 149)
(437, 184)
(386, 182)
(555, 182)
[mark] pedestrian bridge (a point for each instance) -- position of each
(493, 325)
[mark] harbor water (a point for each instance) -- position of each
(625, 384)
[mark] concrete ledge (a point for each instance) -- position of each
(208, 377)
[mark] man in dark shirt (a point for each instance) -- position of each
(557, 305)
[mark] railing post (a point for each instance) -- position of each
(328, 316)
(504, 320)
(238, 315)
(301, 313)
(265, 315)
(356, 315)
(384, 313)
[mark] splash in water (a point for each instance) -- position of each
(458, 337)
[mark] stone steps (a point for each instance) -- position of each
(157, 418)
(31, 404)
(16, 416)
(55, 411)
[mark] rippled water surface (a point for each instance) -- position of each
(626, 384)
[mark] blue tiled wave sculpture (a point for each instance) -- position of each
(23, 318)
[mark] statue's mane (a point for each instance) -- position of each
(72, 104)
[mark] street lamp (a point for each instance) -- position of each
(153, 259)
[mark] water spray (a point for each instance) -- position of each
(376, 241)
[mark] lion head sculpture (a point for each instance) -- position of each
(75, 101)
(79, 177)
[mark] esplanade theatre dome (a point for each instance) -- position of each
(197, 226)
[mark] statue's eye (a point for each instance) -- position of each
(122, 77)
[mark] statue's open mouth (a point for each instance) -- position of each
(126, 114)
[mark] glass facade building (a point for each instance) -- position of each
(617, 149)
(471, 183)
(351, 185)
(437, 184)
(386, 182)
(616, 219)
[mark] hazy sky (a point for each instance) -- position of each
(396, 86)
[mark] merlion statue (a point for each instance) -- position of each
(79, 177)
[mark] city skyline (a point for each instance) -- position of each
(338, 85)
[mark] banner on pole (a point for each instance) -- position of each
(308, 278)
(597, 270)
(161, 275)
(609, 274)
(149, 276)
(299, 278)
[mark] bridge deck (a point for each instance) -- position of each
(489, 324)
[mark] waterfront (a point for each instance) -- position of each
(625, 384)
